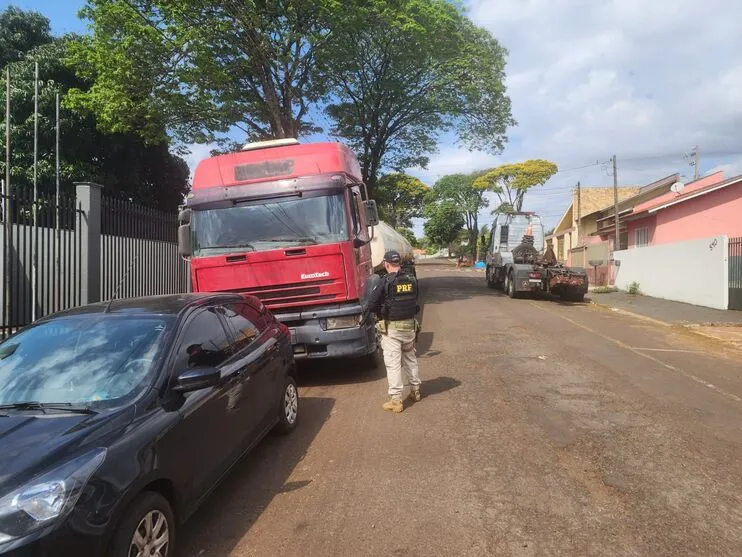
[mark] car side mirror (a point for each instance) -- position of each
(358, 242)
(184, 240)
(197, 379)
(372, 213)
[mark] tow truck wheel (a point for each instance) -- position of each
(490, 282)
(511, 287)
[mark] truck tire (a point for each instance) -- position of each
(511, 286)
(490, 283)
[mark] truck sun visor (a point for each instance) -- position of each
(266, 169)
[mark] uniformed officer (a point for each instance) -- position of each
(395, 301)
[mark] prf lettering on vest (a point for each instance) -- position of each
(404, 288)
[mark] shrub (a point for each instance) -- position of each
(634, 289)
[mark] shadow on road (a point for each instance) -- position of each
(439, 385)
(343, 371)
(230, 512)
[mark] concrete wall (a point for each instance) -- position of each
(695, 271)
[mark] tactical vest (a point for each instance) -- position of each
(401, 298)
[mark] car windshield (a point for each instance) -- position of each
(80, 359)
(271, 224)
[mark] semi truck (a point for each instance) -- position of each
(292, 225)
(518, 261)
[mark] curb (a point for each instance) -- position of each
(691, 327)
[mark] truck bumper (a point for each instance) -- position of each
(523, 282)
(312, 339)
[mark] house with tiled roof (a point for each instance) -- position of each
(579, 220)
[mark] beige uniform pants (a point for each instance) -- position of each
(399, 353)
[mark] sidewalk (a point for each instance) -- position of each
(725, 326)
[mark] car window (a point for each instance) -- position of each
(355, 216)
(204, 342)
(87, 358)
(246, 322)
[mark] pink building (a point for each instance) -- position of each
(707, 207)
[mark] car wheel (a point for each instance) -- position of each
(147, 528)
(288, 411)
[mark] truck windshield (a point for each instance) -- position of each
(270, 224)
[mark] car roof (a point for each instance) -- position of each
(170, 304)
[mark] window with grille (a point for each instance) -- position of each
(641, 237)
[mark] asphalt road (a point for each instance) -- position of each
(545, 429)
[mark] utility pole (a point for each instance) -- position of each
(8, 247)
(695, 162)
(35, 258)
(617, 243)
(579, 215)
(58, 230)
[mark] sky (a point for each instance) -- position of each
(644, 80)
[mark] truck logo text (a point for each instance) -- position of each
(324, 274)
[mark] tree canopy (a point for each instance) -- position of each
(122, 163)
(400, 198)
(198, 68)
(511, 181)
(406, 72)
(460, 191)
(391, 76)
(444, 223)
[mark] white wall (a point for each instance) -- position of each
(695, 271)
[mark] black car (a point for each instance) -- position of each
(117, 420)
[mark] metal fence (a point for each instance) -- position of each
(139, 252)
(735, 273)
(85, 249)
(41, 264)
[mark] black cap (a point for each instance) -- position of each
(393, 257)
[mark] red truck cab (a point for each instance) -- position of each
(289, 224)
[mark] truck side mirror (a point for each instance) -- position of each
(372, 213)
(184, 240)
(184, 216)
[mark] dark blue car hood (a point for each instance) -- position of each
(32, 443)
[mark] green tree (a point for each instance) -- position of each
(122, 163)
(511, 181)
(199, 68)
(444, 223)
(20, 32)
(400, 198)
(410, 70)
(461, 192)
(410, 236)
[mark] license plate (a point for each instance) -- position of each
(535, 281)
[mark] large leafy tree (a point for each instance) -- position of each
(122, 163)
(409, 70)
(21, 32)
(444, 223)
(198, 68)
(511, 182)
(400, 198)
(461, 192)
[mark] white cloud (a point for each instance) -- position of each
(644, 80)
(197, 153)
(454, 160)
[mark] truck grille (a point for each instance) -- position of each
(299, 292)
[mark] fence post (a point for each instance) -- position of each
(89, 201)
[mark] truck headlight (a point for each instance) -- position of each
(344, 322)
(47, 497)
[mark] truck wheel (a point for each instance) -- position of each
(511, 287)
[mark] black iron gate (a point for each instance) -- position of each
(41, 263)
(735, 273)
